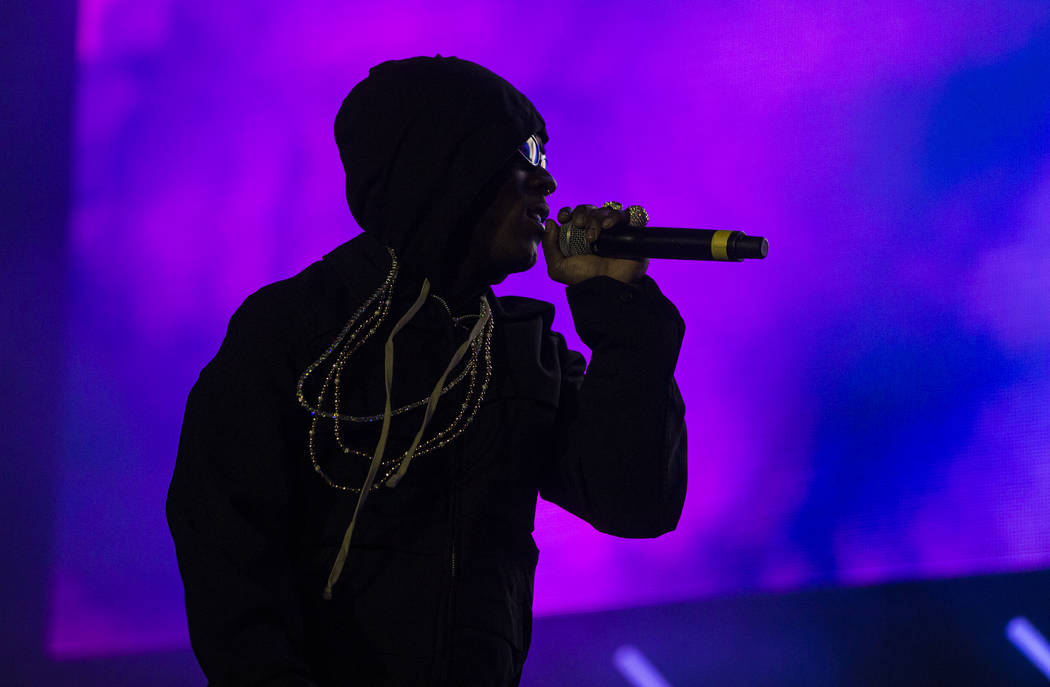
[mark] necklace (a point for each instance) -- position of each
(353, 335)
(455, 320)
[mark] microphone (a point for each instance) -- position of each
(626, 241)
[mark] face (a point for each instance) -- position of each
(507, 235)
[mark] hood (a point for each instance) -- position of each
(419, 139)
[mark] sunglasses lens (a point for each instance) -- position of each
(532, 151)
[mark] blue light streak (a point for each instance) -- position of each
(1031, 643)
(634, 666)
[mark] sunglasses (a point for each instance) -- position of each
(532, 150)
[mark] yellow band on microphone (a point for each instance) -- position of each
(719, 242)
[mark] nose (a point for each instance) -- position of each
(541, 180)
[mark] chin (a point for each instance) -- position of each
(509, 268)
(527, 264)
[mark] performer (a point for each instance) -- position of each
(356, 482)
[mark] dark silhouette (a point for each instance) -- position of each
(390, 363)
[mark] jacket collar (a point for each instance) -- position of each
(363, 262)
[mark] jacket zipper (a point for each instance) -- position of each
(450, 610)
(452, 527)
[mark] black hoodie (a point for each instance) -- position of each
(437, 584)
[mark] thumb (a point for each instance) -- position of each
(551, 250)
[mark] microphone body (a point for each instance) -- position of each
(625, 241)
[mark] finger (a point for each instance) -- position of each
(613, 217)
(564, 214)
(589, 218)
(594, 224)
(581, 216)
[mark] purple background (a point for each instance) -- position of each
(867, 404)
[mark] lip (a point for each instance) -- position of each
(538, 212)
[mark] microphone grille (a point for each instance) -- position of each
(573, 240)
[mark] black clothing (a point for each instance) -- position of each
(437, 586)
(439, 579)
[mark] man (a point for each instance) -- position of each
(357, 475)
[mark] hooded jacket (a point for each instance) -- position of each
(437, 583)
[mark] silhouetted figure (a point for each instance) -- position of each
(390, 362)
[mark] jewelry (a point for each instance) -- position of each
(637, 216)
(349, 340)
(455, 320)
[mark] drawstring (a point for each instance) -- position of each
(435, 395)
(388, 377)
(388, 356)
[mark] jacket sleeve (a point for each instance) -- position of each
(620, 443)
(228, 511)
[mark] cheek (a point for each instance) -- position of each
(499, 229)
(503, 230)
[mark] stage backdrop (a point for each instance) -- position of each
(867, 404)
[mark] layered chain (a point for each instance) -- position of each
(358, 331)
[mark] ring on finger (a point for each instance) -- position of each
(637, 216)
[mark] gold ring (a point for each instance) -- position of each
(637, 216)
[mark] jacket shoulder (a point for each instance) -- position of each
(299, 303)
(524, 308)
(268, 326)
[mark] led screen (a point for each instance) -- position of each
(867, 404)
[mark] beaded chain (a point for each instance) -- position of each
(335, 373)
(349, 340)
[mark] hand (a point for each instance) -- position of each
(572, 270)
